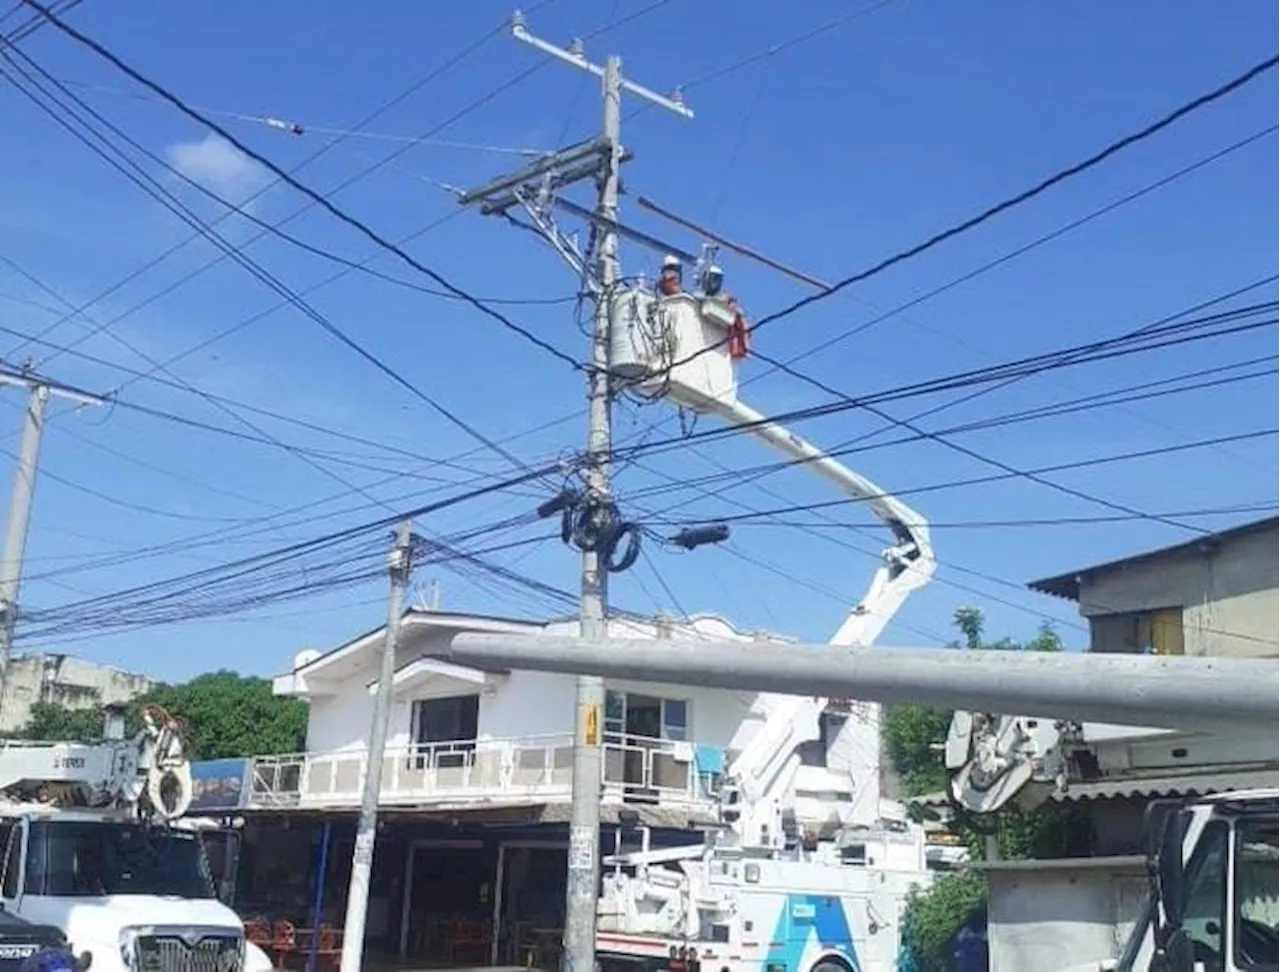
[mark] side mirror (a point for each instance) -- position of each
(84, 961)
(1169, 869)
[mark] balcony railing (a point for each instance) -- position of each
(481, 771)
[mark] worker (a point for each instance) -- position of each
(670, 281)
(739, 336)
(712, 281)
(970, 947)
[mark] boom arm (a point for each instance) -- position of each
(763, 770)
(676, 346)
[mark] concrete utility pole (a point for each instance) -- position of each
(584, 819)
(24, 483)
(399, 566)
(537, 188)
(1183, 693)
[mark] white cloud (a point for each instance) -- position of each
(218, 166)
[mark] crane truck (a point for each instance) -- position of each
(769, 891)
(93, 844)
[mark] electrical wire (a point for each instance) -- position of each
(153, 188)
(1011, 202)
(998, 477)
(382, 109)
(1143, 391)
(322, 201)
(1142, 340)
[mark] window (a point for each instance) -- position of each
(1139, 632)
(1257, 926)
(645, 716)
(1205, 912)
(81, 858)
(445, 730)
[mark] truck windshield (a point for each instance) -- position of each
(90, 858)
(1257, 914)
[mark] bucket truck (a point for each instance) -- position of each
(91, 842)
(761, 894)
(782, 885)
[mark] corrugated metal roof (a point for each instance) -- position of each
(1190, 784)
(1186, 784)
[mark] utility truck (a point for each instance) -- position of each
(93, 844)
(782, 884)
(776, 889)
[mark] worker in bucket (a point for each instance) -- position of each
(671, 280)
(739, 336)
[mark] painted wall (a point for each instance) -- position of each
(1228, 595)
(516, 704)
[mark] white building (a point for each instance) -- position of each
(467, 738)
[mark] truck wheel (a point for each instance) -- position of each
(830, 965)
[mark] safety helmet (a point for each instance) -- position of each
(714, 271)
(670, 263)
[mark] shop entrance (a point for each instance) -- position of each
(531, 907)
(448, 909)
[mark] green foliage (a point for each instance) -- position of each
(934, 916)
(50, 721)
(913, 740)
(224, 715)
(909, 735)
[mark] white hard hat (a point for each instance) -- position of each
(670, 261)
(714, 271)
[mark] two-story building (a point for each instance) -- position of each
(1214, 595)
(475, 796)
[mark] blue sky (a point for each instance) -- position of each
(828, 155)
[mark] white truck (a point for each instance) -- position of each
(1215, 858)
(93, 844)
(784, 884)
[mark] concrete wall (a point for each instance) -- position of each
(1058, 914)
(67, 681)
(1228, 595)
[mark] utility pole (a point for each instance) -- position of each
(24, 483)
(537, 188)
(399, 567)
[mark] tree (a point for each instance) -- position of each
(914, 737)
(51, 721)
(224, 715)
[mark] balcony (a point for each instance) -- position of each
(482, 772)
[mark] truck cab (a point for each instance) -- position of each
(134, 895)
(1213, 905)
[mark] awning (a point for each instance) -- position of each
(1188, 784)
(414, 674)
(1150, 787)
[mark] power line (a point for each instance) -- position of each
(386, 106)
(306, 190)
(183, 212)
(1032, 521)
(1142, 340)
(997, 477)
(1132, 393)
(1062, 175)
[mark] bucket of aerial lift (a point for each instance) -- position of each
(673, 346)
